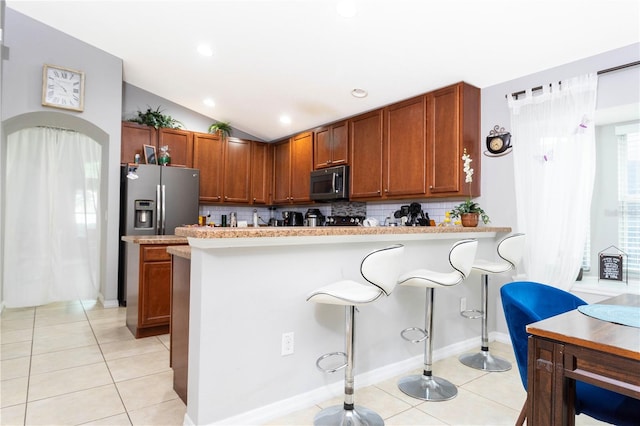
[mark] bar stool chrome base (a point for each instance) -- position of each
(483, 360)
(428, 388)
(337, 415)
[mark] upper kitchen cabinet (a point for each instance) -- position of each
(331, 145)
(405, 149)
(180, 143)
(366, 154)
(388, 152)
(260, 173)
(453, 125)
(237, 170)
(133, 137)
(293, 162)
(208, 151)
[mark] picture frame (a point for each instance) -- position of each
(150, 154)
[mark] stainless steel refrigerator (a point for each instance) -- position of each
(154, 200)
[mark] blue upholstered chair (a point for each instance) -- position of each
(527, 302)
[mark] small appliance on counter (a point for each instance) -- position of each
(292, 218)
(314, 217)
(344, 220)
(412, 215)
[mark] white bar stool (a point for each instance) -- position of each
(427, 386)
(380, 269)
(510, 252)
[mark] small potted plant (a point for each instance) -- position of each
(224, 128)
(469, 211)
(155, 118)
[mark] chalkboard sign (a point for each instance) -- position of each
(611, 266)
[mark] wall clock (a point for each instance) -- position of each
(62, 88)
(498, 142)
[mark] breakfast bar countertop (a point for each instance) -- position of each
(155, 239)
(210, 237)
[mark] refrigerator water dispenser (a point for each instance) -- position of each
(144, 214)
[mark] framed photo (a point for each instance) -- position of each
(150, 154)
(62, 88)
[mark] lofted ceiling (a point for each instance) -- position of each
(302, 59)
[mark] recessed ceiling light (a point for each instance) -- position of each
(359, 93)
(205, 50)
(285, 119)
(209, 102)
(346, 9)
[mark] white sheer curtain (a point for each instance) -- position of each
(52, 238)
(554, 167)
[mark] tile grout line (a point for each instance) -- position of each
(106, 365)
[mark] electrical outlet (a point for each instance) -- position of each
(287, 343)
(463, 304)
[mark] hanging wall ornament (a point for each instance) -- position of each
(498, 142)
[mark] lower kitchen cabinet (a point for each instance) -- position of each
(148, 289)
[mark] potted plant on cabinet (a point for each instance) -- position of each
(224, 128)
(469, 211)
(155, 118)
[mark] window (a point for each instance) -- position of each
(615, 210)
(629, 195)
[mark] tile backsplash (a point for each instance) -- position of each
(379, 211)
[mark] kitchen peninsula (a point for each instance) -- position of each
(248, 286)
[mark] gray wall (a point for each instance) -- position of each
(32, 44)
(135, 99)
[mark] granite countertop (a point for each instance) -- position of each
(306, 231)
(180, 251)
(155, 239)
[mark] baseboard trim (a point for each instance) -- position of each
(300, 402)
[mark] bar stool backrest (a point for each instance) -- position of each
(462, 255)
(511, 249)
(382, 267)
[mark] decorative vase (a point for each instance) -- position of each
(469, 220)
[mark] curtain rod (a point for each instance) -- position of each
(619, 67)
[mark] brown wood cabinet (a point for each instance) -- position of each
(388, 149)
(366, 155)
(237, 170)
(133, 137)
(331, 145)
(260, 173)
(405, 150)
(293, 162)
(453, 124)
(180, 143)
(148, 289)
(208, 151)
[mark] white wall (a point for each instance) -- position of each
(32, 44)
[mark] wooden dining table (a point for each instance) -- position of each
(574, 346)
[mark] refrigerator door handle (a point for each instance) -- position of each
(164, 210)
(158, 211)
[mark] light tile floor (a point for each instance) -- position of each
(76, 363)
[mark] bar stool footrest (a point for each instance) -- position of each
(472, 314)
(419, 330)
(331, 355)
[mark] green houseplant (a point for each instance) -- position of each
(469, 207)
(155, 118)
(224, 128)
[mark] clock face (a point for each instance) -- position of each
(496, 144)
(63, 88)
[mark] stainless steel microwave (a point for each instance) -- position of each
(329, 184)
